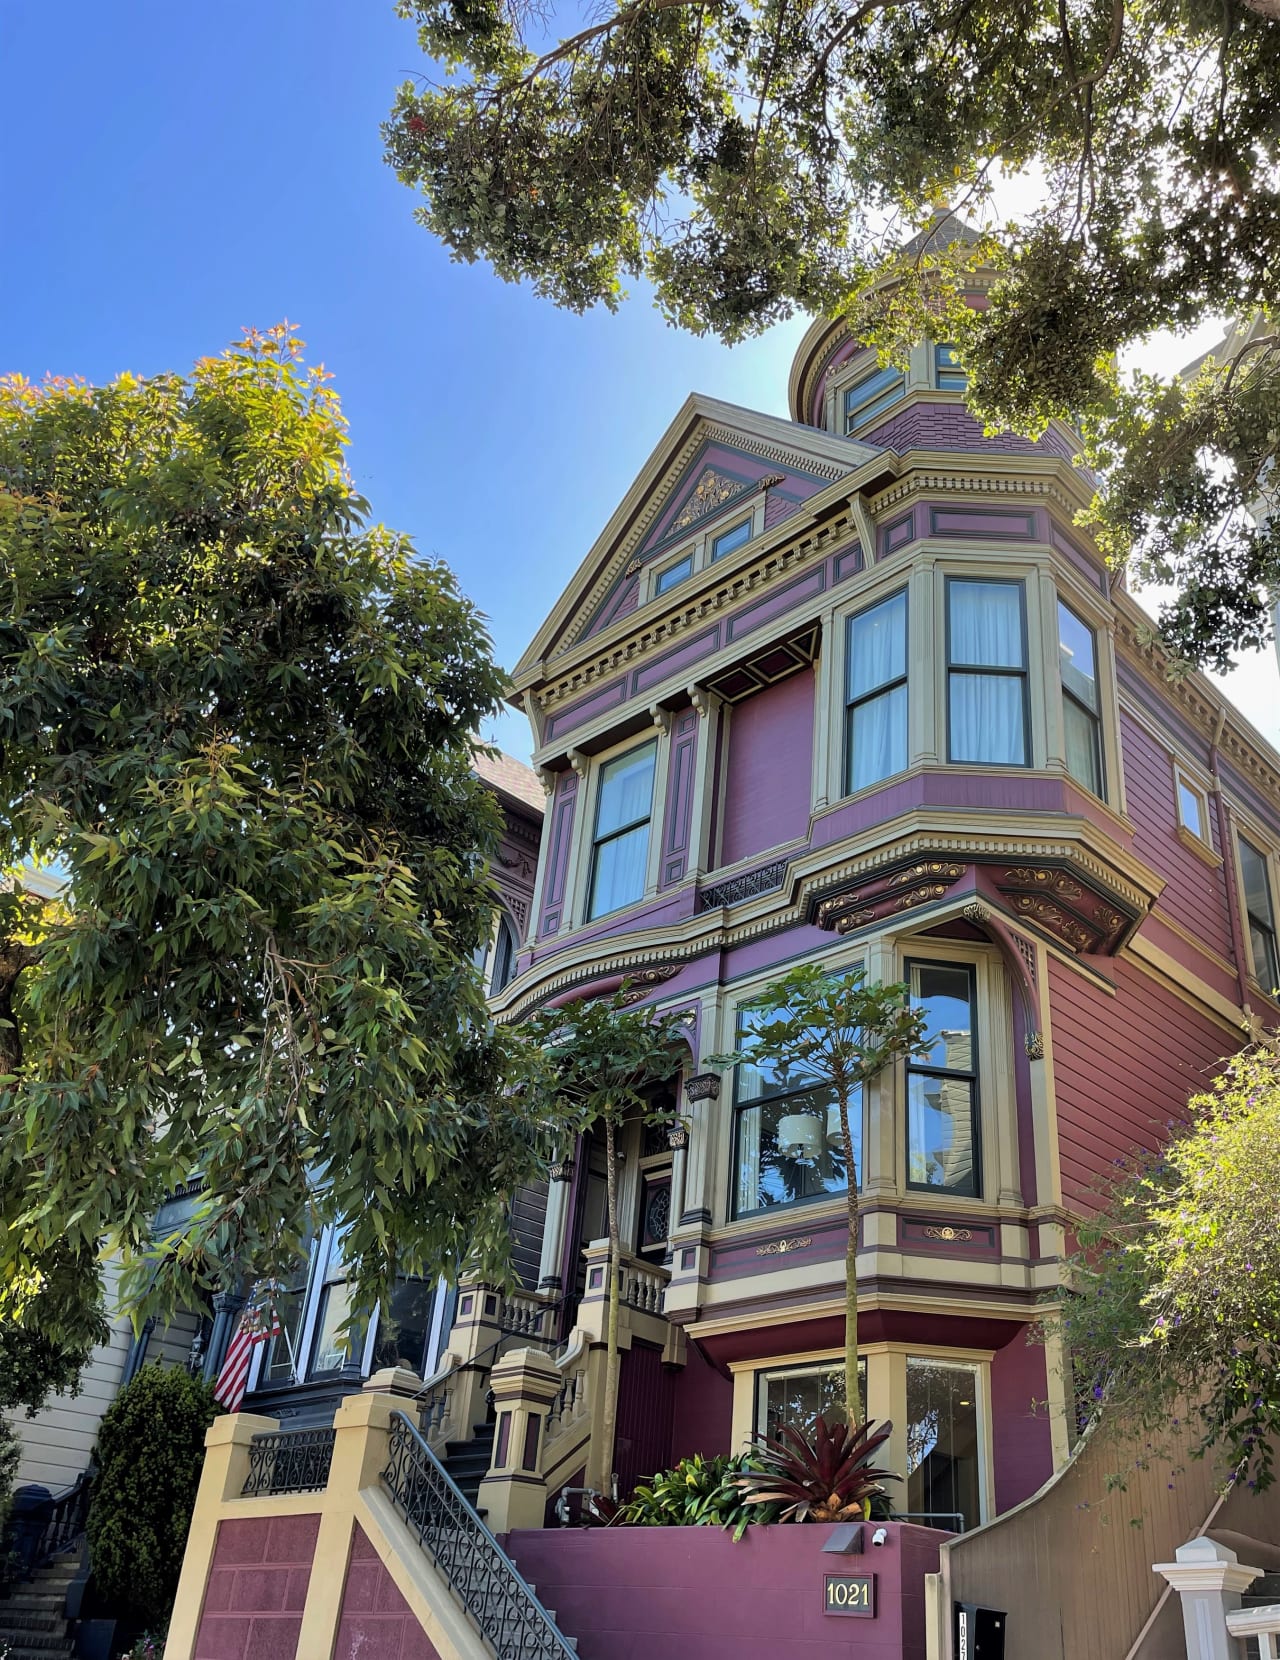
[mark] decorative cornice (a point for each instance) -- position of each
(703, 1086)
(660, 630)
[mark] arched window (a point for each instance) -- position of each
(504, 956)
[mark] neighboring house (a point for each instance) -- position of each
(855, 687)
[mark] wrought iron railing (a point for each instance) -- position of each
(435, 1396)
(40, 1529)
(487, 1582)
(289, 1461)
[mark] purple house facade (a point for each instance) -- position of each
(854, 687)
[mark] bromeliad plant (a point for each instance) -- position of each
(828, 1479)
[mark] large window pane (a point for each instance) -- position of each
(402, 1339)
(986, 624)
(876, 720)
(988, 719)
(796, 1396)
(942, 1117)
(943, 1473)
(987, 680)
(335, 1341)
(1262, 927)
(623, 808)
(790, 1147)
(870, 396)
(1078, 670)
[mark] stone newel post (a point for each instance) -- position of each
(1209, 1578)
(525, 1384)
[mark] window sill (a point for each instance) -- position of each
(1197, 845)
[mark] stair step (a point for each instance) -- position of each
(48, 1618)
(30, 1597)
(25, 1644)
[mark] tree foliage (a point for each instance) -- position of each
(149, 1453)
(751, 158)
(1177, 1317)
(835, 1030)
(598, 1060)
(237, 717)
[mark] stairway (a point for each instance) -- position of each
(32, 1619)
(468, 1461)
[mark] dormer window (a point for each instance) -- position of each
(870, 396)
(736, 536)
(673, 573)
(949, 374)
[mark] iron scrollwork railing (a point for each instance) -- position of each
(289, 1461)
(486, 1580)
(41, 1528)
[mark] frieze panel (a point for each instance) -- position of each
(738, 888)
(711, 491)
(963, 1237)
(878, 895)
(1063, 905)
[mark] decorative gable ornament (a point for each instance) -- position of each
(711, 491)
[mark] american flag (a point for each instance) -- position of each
(258, 1322)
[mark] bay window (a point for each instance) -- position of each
(876, 693)
(620, 845)
(987, 692)
(1256, 881)
(942, 1082)
(787, 1139)
(1081, 717)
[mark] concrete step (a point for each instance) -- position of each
(31, 1596)
(30, 1643)
(43, 1618)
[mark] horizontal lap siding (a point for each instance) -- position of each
(1124, 1066)
(770, 759)
(1195, 897)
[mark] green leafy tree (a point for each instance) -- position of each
(237, 716)
(603, 1056)
(149, 1454)
(751, 159)
(1176, 1320)
(836, 1031)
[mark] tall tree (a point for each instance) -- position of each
(604, 1056)
(749, 158)
(237, 717)
(836, 1032)
(1175, 1324)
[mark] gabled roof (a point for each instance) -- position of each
(506, 775)
(743, 451)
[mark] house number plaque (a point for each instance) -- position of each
(850, 1594)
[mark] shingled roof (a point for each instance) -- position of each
(512, 778)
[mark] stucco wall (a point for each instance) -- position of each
(257, 1589)
(376, 1622)
(625, 1593)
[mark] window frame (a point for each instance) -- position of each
(1094, 716)
(591, 914)
(753, 999)
(660, 573)
(875, 401)
(1266, 859)
(950, 578)
(851, 704)
(941, 367)
(913, 1068)
(697, 543)
(713, 542)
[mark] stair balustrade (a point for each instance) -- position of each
(496, 1596)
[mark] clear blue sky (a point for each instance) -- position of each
(172, 172)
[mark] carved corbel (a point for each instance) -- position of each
(579, 762)
(547, 779)
(661, 717)
(701, 699)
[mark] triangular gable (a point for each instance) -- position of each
(712, 455)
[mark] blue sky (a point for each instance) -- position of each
(174, 172)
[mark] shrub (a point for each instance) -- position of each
(698, 1492)
(828, 1479)
(150, 1451)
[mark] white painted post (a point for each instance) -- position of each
(1209, 1578)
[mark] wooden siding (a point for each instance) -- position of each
(1124, 1065)
(1072, 1566)
(57, 1442)
(768, 784)
(646, 1402)
(528, 1218)
(1196, 897)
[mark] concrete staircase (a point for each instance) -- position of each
(32, 1619)
(468, 1461)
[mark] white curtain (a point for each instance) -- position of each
(626, 797)
(626, 790)
(988, 718)
(878, 725)
(620, 871)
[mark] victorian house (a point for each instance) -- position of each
(854, 686)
